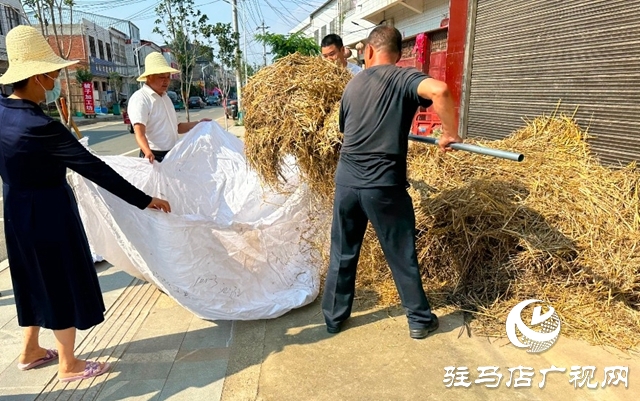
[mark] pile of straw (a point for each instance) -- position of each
(286, 105)
(558, 227)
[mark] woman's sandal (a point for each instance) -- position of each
(93, 369)
(51, 355)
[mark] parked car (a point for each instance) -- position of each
(213, 100)
(195, 102)
(178, 104)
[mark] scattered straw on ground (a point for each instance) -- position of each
(490, 232)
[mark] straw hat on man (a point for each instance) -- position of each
(152, 113)
(156, 64)
(54, 280)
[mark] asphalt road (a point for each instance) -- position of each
(113, 138)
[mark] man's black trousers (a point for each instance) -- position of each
(158, 155)
(390, 211)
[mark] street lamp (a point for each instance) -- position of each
(137, 56)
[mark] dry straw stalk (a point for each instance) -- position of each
(490, 233)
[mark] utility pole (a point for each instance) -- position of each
(264, 45)
(234, 10)
(244, 45)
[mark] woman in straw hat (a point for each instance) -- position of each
(54, 280)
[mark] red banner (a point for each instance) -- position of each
(87, 95)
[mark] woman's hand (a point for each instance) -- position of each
(159, 204)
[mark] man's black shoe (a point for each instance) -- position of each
(333, 329)
(419, 334)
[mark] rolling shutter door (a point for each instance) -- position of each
(528, 55)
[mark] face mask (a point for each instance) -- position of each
(53, 94)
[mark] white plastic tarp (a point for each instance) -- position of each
(230, 249)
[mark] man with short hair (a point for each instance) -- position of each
(376, 111)
(151, 111)
(334, 50)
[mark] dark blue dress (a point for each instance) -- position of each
(54, 280)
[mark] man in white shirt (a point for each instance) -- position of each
(334, 50)
(151, 111)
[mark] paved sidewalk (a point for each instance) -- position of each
(373, 358)
(159, 351)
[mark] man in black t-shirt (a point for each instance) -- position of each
(376, 112)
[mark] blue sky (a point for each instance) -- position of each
(279, 15)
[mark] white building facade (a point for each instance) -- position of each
(353, 20)
(11, 15)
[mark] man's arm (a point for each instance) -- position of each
(438, 92)
(183, 128)
(141, 138)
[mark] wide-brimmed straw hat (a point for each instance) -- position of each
(29, 54)
(155, 63)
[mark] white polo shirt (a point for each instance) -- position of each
(157, 114)
(354, 68)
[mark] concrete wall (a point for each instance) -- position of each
(410, 23)
(355, 29)
(100, 36)
(322, 22)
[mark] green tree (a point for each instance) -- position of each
(49, 15)
(188, 33)
(83, 75)
(226, 40)
(283, 45)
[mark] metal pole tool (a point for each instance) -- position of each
(503, 154)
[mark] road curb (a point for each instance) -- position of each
(91, 121)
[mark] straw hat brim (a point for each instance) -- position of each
(21, 70)
(158, 70)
